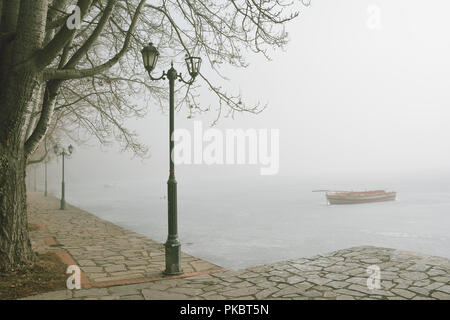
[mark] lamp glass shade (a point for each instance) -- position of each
(55, 149)
(150, 56)
(193, 65)
(70, 148)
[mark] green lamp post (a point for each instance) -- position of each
(172, 246)
(59, 151)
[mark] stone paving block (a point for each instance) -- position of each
(445, 288)
(144, 267)
(282, 274)
(350, 292)
(246, 298)
(295, 298)
(436, 272)
(404, 293)
(344, 297)
(387, 284)
(338, 284)
(212, 296)
(413, 275)
(441, 295)
(304, 285)
(117, 278)
(234, 293)
(287, 291)
(266, 284)
(337, 269)
(330, 294)
(132, 297)
(422, 298)
(304, 267)
(86, 263)
(371, 292)
(114, 268)
(92, 269)
(295, 279)
(159, 285)
(243, 284)
(434, 285)
(263, 294)
(54, 295)
(124, 290)
(150, 294)
(276, 279)
(357, 280)
(281, 285)
(97, 275)
(336, 276)
(201, 265)
(135, 263)
(396, 298)
(443, 279)
(115, 258)
(187, 291)
(420, 290)
(248, 275)
(422, 283)
(212, 288)
(419, 267)
(92, 292)
(355, 271)
(126, 273)
(112, 297)
(257, 280)
(312, 293)
(318, 280)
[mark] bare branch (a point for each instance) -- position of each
(66, 74)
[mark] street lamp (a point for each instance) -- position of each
(172, 246)
(63, 152)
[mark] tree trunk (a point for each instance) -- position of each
(20, 79)
(19, 82)
(16, 103)
(15, 245)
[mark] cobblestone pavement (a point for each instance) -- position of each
(337, 275)
(106, 253)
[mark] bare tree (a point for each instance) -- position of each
(52, 74)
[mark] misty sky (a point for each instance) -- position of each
(346, 98)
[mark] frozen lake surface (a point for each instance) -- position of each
(238, 224)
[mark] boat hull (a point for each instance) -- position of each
(356, 198)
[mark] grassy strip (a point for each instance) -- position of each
(47, 274)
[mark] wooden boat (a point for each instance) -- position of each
(352, 197)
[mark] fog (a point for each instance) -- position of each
(347, 99)
(357, 106)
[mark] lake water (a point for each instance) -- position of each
(249, 222)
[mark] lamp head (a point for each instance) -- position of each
(193, 65)
(150, 56)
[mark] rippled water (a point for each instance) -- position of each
(238, 224)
